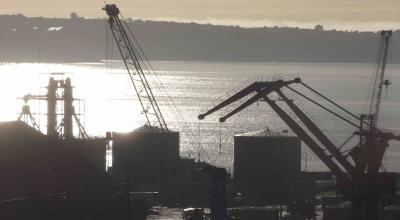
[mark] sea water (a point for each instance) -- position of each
(106, 100)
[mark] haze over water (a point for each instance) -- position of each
(193, 87)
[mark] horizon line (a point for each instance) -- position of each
(328, 25)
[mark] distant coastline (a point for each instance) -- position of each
(60, 40)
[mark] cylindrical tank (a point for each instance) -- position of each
(146, 156)
(264, 161)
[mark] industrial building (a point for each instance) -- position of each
(58, 175)
(147, 157)
(44, 178)
(264, 162)
(148, 160)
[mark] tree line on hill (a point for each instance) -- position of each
(77, 39)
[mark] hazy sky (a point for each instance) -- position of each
(236, 11)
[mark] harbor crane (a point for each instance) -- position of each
(368, 135)
(379, 79)
(133, 61)
(357, 168)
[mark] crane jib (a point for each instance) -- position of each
(132, 57)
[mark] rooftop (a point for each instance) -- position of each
(267, 133)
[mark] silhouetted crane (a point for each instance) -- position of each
(357, 169)
(130, 54)
(379, 80)
(364, 185)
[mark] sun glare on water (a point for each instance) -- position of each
(104, 102)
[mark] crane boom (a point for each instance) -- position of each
(318, 134)
(337, 162)
(379, 80)
(131, 57)
(359, 177)
(262, 90)
(344, 180)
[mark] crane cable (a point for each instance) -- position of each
(331, 101)
(323, 107)
(145, 61)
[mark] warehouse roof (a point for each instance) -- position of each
(267, 133)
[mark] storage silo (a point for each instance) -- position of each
(145, 157)
(264, 162)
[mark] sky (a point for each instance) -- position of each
(342, 14)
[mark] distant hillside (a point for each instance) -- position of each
(84, 40)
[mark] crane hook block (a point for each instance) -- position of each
(112, 10)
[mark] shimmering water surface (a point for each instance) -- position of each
(108, 102)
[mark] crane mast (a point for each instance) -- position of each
(133, 64)
(379, 80)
